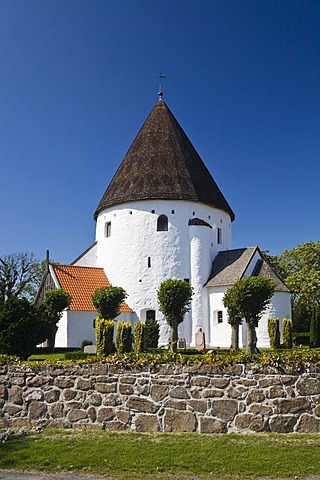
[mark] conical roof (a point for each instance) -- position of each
(162, 164)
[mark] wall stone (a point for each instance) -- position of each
(169, 398)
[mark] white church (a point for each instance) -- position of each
(163, 216)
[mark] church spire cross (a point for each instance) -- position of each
(161, 77)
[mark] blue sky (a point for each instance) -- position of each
(79, 77)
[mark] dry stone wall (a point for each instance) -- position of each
(171, 398)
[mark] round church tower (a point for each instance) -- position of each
(162, 216)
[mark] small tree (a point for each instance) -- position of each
(174, 297)
(139, 337)
(233, 317)
(287, 333)
(250, 296)
(152, 332)
(107, 301)
(124, 337)
(20, 328)
(55, 301)
(104, 336)
(274, 332)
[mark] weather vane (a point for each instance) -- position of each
(161, 76)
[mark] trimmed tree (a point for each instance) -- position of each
(250, 297)
(174, 297)
(151, 333)
(235, 321)
(139, 337)
(55, 301)
(124, 337)
(274, 332)
(287, 333)
(107, 301)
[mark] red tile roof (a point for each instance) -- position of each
(81, 283)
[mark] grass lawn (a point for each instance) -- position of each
(160, 456)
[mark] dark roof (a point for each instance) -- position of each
(163, 164)
(231, 265)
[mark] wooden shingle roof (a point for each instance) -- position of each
(163, 164)
(81, 283)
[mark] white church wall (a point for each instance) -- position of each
(220, 333)
(280, 307)
(88, 258)
(76, 326)
(138, 258)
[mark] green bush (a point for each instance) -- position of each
(274, 332)
(124, 337)
(301, 338)
(315, 328)
(287, 333)
(151, 332)
(78, 355)
(139, 328)
(104, 336)
(21, 328)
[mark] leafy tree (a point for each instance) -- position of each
(107, 301)
(299, 268)
(21, 328)
(174, 297)
(250, 296)
(302, 275)
(55, 301)
(20, 276)
(230, 302)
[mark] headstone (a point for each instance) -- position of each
(200, 340)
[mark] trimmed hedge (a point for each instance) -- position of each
(274, 332)
(104, 336)
(139, 337)
(124, 337)
(287, 341)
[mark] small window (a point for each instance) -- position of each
(172, 211)
(162, 223)
(220, 316)
(149, 262)
(94, 323)
(153, 211)
(107, 229)
(130, 212)
(219, 235)
(193, 213)
(209, 216)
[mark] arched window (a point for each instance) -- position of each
(162, 223)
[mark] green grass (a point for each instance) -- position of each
(159, 456)
(42, 357)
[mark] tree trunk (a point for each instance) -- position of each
(174, 337)
(235, 336)
(52, 337)
(251, 338)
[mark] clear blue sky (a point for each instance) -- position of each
(79, 77)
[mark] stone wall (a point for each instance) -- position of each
(171, 398)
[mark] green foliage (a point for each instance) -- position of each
(174, 298)
(51, 309)
(139, 337)
(152, 332)
(287, 333)
(77, 355)
(104, 336)
(20, 328)
(107, 301)
(274, 332)
(124, 337)
(299, 268)
(20, 276)
(249, 297)
(315, 328)
(84, 343)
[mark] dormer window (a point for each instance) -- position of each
(107, 229)
(162, 223)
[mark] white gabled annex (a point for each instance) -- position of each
(163, 216)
